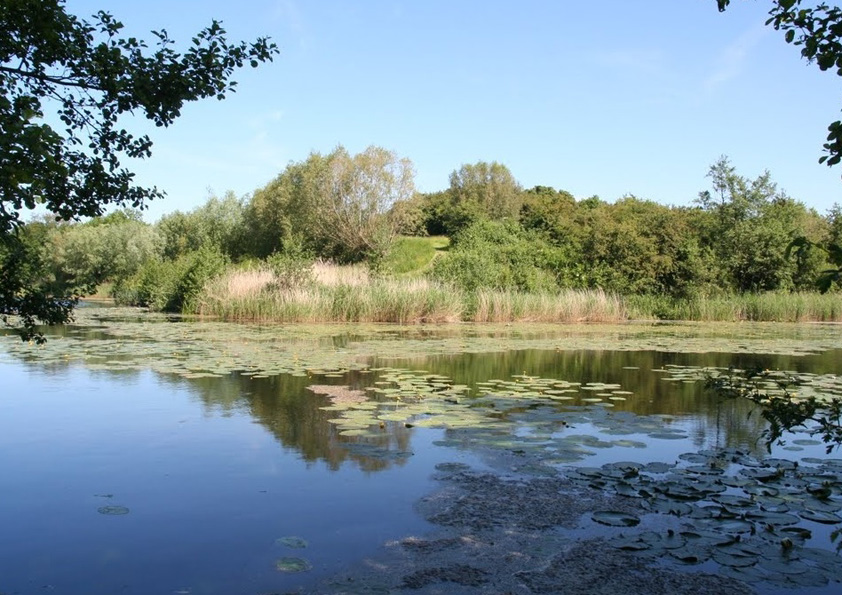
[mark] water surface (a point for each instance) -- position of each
(207, 468)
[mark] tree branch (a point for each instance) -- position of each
(67, 82)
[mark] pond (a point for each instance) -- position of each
(143, 454)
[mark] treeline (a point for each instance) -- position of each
(348, 209)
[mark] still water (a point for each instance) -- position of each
(142, 481)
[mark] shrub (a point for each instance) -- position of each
(172, 286)
(292, 266)
(497, 255)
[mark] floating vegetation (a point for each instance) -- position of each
(119, 339)
(292, 542)
(615, 519)
(113, 510)
(527, 413)
(802, 385)
(292, 565)
(745, 514)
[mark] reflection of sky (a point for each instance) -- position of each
(209, 488)
(208, 494)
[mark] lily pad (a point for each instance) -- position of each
(292, 565)
(113, 510)
(819, 516)
(292, 542)
(615, 519)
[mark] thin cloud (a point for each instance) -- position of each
(733, 59)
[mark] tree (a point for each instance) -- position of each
(220, 221)
(340, 203)
(355, 198)
(817, 31)
(751, 223)
(65, 84)
(111, 248)
(488, 187)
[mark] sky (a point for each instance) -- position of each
(602, 98)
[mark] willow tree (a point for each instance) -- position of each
(340, 204)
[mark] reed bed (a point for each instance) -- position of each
(570, 305)
(349, 294)
(765, 307)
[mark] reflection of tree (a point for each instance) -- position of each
(715, 421)
(728, 424)
(284, 406)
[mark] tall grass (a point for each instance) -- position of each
(570, 305)
(348, 294)
(769, 307)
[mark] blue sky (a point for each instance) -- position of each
(610, 98)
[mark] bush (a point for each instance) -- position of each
(292, 266)
(497, 255)
(172, 285)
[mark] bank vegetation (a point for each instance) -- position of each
(342, 237)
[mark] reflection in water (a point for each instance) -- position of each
(209, 493)
(294, 416)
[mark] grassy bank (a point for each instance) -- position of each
(340, 294)
(350, 294)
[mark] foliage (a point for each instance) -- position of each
(340, 203)
(24, 290)
(816, 30)
(827, 277)
(111, 248)
(490, 188)
(173, 285)
(292, 266)
(220, 222)
(201, 267)
(782, 408)
(750, 223)
(497, 255)
(57, 67)
(637, 247)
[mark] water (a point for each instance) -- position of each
(209, 489)
(214, 470)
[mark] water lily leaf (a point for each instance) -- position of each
(772, 518)
(629, 443)
(615, 519)
(658, 467)
(631, 543)
(689, 554)
(728, 559)
(113, 510)
(292, 565)
(292, 542)
(819, 516)
(732, 525)
(807, 442)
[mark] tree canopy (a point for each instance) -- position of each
(341, 204)
(65, 85)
